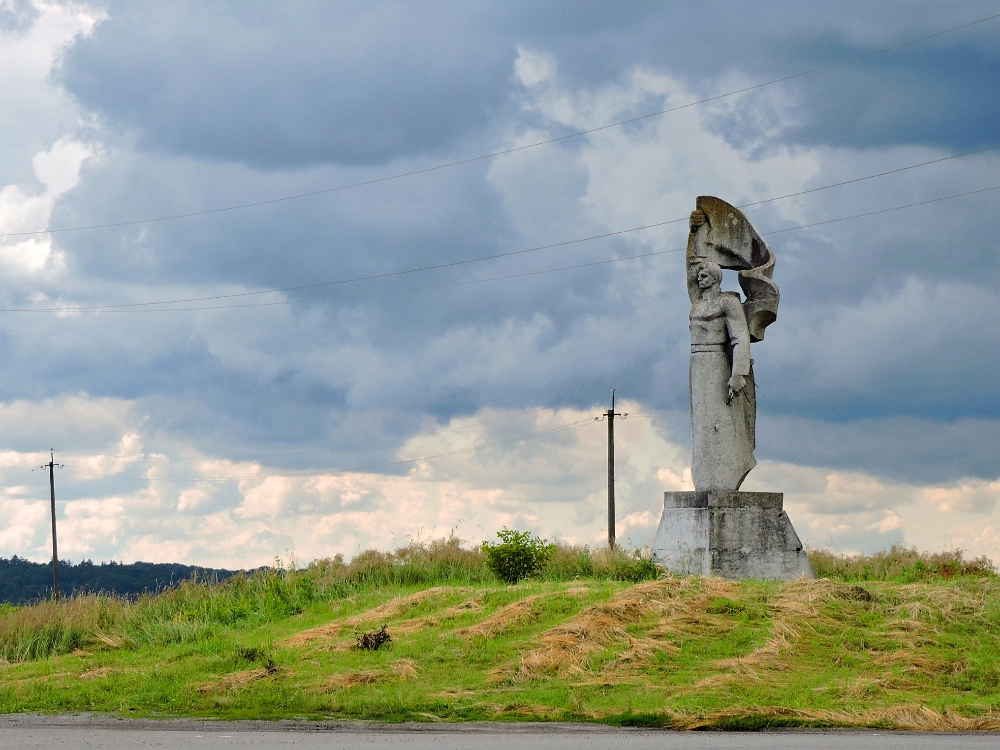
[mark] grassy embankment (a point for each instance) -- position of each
(890, 640)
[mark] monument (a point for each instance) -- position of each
(718, 530)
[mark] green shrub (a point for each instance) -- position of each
(519, 555)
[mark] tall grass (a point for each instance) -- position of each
(440, 561)
(447, 561)
(898, 564)
(569, 562)
(196, 609)
(187, 612)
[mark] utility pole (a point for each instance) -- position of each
(610, 414)
(55, 550)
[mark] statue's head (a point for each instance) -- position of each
(709, 274)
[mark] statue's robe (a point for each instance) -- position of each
(722, 430)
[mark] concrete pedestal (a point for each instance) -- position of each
(730, 534)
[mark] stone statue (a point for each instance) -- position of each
(723, 392)
(718, 530)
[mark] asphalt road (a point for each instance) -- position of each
(59, 733)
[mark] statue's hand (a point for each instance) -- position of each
(697, 219)
(736, 384)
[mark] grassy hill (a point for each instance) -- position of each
(893, 640)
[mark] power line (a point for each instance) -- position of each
(388, 274)
(371, 294)
(869, 177)
(148, 306)
(469, 281)
(554, 430)
(883, 211)
(19, 463)
(17, 478)
(925, 365)
(541, 433)
(515, 149)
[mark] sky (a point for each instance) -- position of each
(403, 384)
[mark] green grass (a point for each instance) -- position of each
(898, 564)
(583, 642)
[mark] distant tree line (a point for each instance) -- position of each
(23, 581)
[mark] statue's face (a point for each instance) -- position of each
(705, 279)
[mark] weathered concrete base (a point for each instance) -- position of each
(730, 534)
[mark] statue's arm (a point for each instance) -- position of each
(739, 337)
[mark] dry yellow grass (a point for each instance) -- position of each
(514, 614)
(402, 670)
(395, 607)
(351, 680)
(795, 607)
(238, 680)
(910, 717)
(321, 633)
(382, 612)
(682, 652)
(672, 608)
(685, 607)
(90, 674)
(503, 619)
(905, 665)
(111, 641)
(446, 614)
(563, 649)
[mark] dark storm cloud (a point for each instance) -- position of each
(280, 86)
(937, 96)
(215, 104)
(363, 83)
(907, 449)
(879, 362)
(338, 236)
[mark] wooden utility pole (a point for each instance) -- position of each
(610, 414)
(55, 549)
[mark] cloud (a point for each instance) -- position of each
(553, 484)
(23, 526)
(194, 497)
(89, 523)
(352, 82)
(969, 496)
(35, 114)
(265, 500)
(359, 83)
(917, 449)
(891, 522)
(854, 511)
(58, 170)
(18, 15)
(534, 68)
(874, 383)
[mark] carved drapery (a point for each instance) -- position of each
(731, 240)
